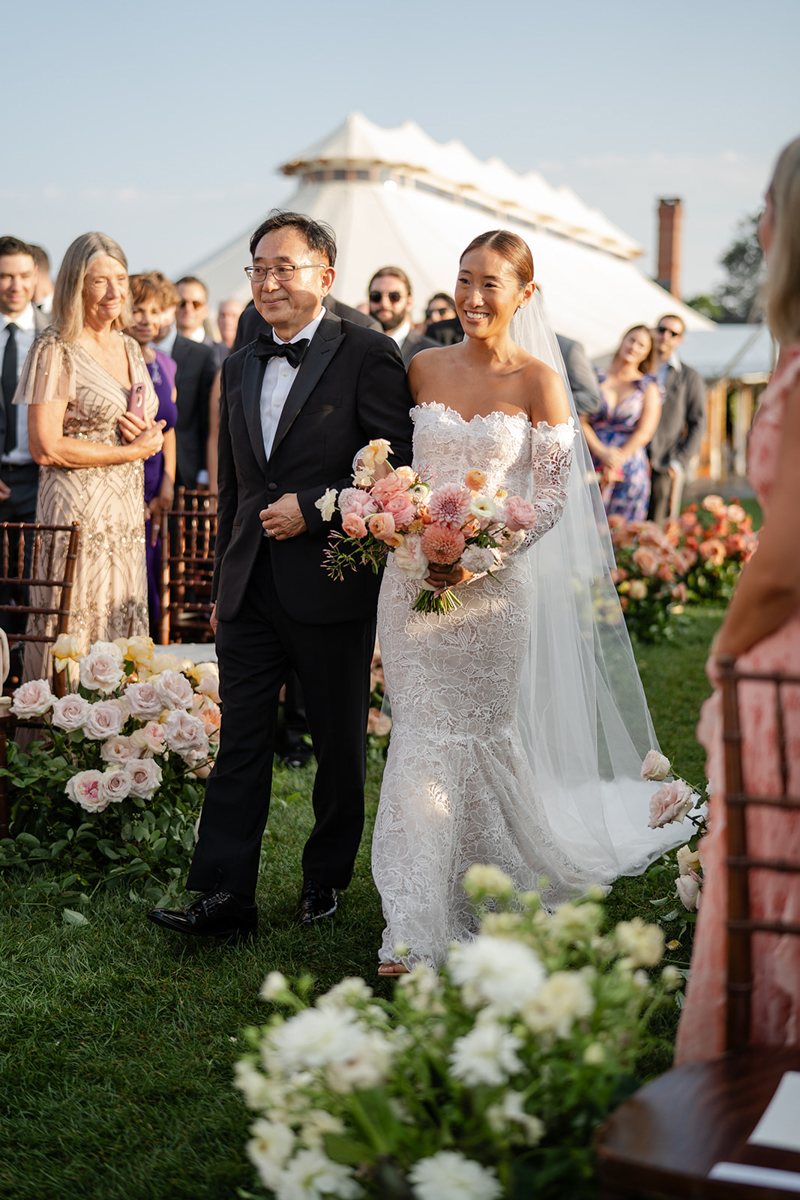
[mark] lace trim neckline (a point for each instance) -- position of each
(435, 406)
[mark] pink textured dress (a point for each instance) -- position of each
(772, 833)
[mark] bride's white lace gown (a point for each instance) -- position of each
(458, 788)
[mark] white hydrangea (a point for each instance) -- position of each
(448, 1175)
(269, 1150)
(487, 1054)
(311, 1175)
(565, 998)
(496, 971)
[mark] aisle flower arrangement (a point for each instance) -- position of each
(696, 559)
(390, 510)
(112, 781)
(482, 1081)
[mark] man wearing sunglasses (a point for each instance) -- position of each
(391, 302)
(192, 310)
(680, 431)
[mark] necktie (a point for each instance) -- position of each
(9, 382)
(293, 352)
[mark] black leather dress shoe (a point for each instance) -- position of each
(315, 902)
(216, 914)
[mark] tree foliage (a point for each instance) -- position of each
(736, 298)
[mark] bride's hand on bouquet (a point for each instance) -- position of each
(441, 577)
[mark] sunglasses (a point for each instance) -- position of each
(392, 297)
(195, 304)
(433, 312)
(671, 332)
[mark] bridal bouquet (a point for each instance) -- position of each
(483, 1081)
(390, 510)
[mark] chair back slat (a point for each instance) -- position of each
(188, 536)
(740, 924)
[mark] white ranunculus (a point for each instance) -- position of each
(487, 1054)
(145, 776)
(119, 750)
(103, 720)
(144, 700)
(448, 1175)
(311, 1175)
(115, 784)
(184, 733)
(174, 689)
(70, 712)
(643, 944)
(496, 971)
(269, 1150)
(564, 999)
(409, 557)
(101, 669)
(327, 504)
(32, 699)
(483, 508)
(209, 686)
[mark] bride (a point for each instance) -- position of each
(520, 722)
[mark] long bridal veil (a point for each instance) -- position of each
(582, 714)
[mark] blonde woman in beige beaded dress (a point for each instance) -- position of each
(77, 380)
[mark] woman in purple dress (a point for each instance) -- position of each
(159, 471)
(619, 432)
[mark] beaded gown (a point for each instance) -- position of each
(109, 597)
(458, 788)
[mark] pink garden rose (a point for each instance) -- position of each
(381, 526)
(101, 668)
(209, 686)
(353, 525)
(402, 509)
(150, 739)
(519, 514)
(144, 700)
(443, 545)
(145, 776)
(103, 720)
(384, 489)
(70, 713)
(357, 501)
(671, 802)
(174, 689)
(646, 560)
(655, 766)
(184, 733)
(688, 886)
(119, 750)
(32, 699)
(115, 784)
(713, 552)
(84, 789)
(449, 505)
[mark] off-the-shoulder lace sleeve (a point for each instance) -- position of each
(48, 373)
(551, 462)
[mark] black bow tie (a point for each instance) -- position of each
(293, 352)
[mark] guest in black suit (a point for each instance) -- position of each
(295, 409)
(391, 302)
(581, 375)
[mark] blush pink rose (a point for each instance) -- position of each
(32, 699)
(442, 545)
(353, 525)
(174, 689)
(402, 509)
(115, 784)
(70, 712)
(519, 514)
(655, 766)
(84, 789)
(184, 733)
(381, 526)
(101, 668)
(384, 489)
(119, 750)
(150, 739)
(671, 802)
(356, 501)
(145, 776)
(144, 700)
(689, 890)
(104, 720)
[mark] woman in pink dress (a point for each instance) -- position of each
(762, 629)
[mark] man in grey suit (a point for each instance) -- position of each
(683, 412)
(391, 302)
(581, 375)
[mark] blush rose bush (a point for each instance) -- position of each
(111, 789)
(486, 1079)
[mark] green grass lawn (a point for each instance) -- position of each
(118, 1039)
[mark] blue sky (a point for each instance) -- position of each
(163, 123)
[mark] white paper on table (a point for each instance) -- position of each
(782, 1181)
(780, 1123)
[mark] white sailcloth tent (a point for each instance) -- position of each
(394, 196)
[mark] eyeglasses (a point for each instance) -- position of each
(671, 332)
(281, 274)
(392, 297)
(195, 304)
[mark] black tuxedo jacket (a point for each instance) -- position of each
(251, 323)
(351, 387)
(41, 321)
(197, 366)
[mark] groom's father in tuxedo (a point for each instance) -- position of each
(296, 405)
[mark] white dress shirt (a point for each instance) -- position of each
(198, 335)
(278, 379)
(400, 334)
(46, 305)
(26, 332)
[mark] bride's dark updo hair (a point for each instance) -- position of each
(514, 250)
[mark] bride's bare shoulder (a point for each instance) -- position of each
(547, 396)
(426, 365)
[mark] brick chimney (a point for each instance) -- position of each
(670, 224)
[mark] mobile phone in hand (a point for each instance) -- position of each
(136, 401)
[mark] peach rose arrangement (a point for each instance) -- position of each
(675, 800)
(390, 510)
(115, 773)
